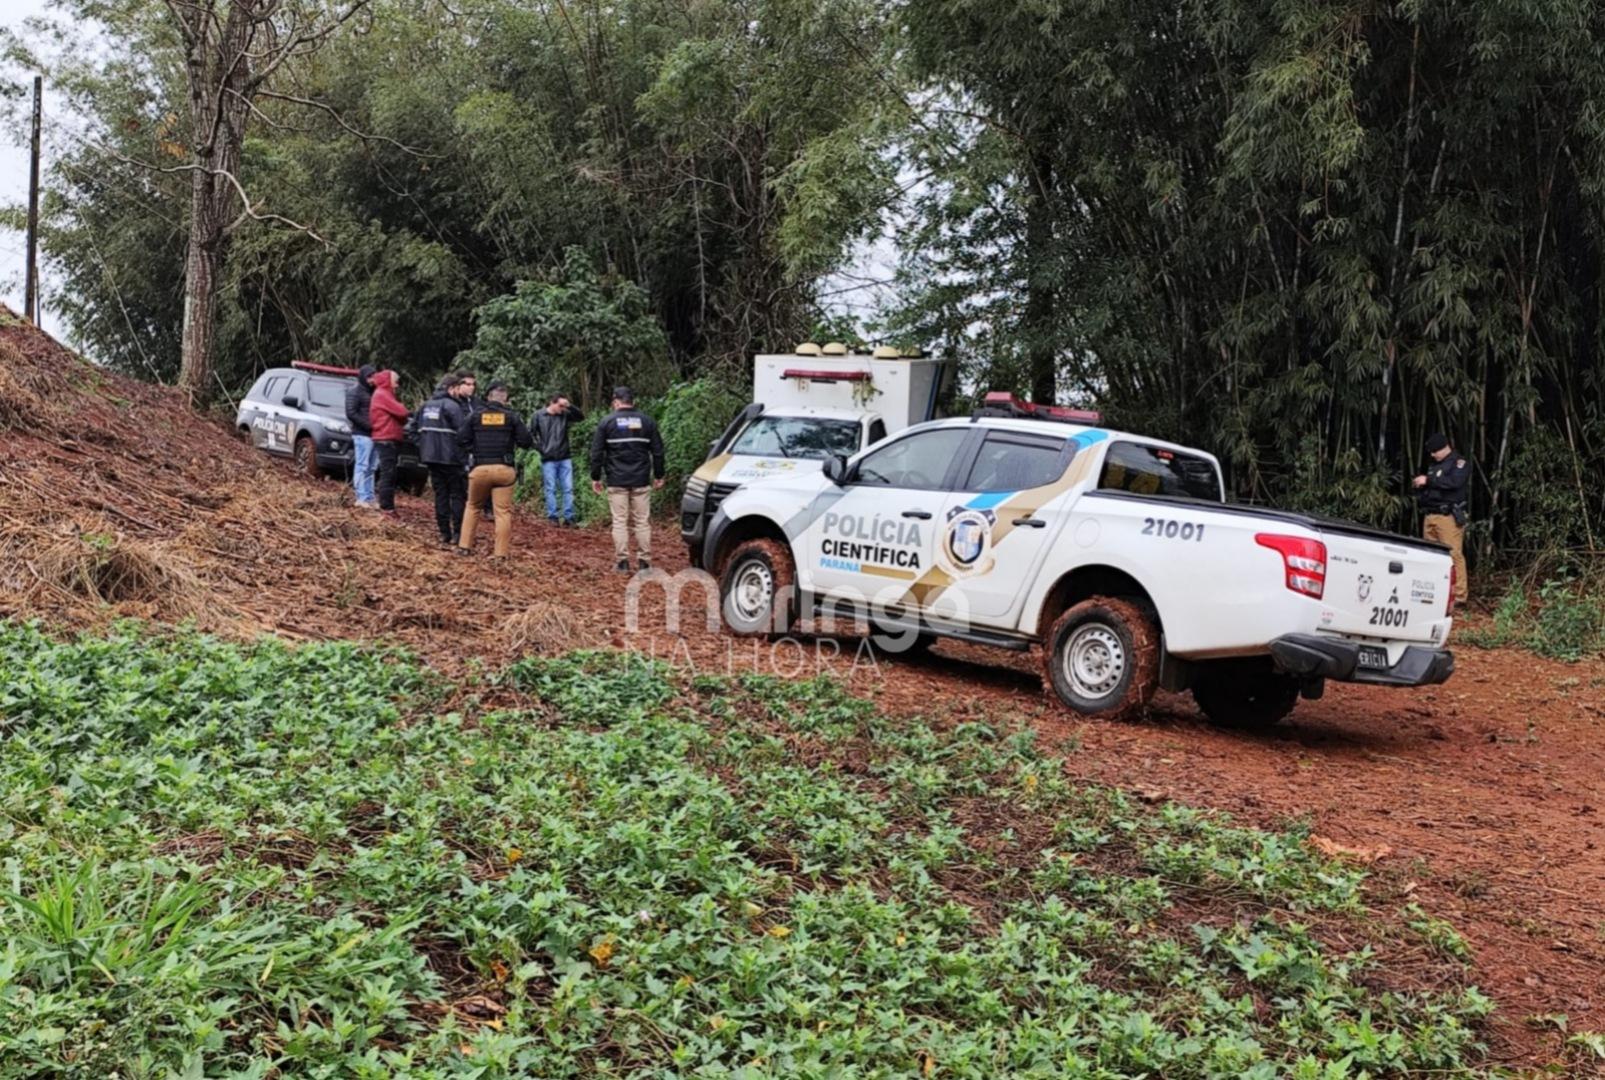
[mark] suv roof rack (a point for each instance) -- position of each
(323, 369)
(1004, 404)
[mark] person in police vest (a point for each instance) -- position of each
(436, 426)
(628, 451)
(491, 438)
(1443, 493)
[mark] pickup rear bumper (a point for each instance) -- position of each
(1320, 657)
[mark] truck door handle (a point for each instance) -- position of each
(1035, 523)
(923, 515)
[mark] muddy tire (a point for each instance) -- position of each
(1247, 700)
(1101, 659)
(757, 594)
(306, 458)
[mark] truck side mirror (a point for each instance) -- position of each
(836, 470)
(292, 401)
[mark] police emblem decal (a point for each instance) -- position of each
(1364, 589)
(967, 541)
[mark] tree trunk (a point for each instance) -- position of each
(202, 266)
(1039, 296)
(218, 72)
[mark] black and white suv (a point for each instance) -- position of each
(300, 414)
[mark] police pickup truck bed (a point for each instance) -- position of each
(1114, 553)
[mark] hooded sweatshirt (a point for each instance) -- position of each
(358, 397)
(386, 413)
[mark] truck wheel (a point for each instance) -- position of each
(756, 589)
(306, 457)
(1250, 701)
(1101, 658)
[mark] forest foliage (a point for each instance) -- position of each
(1300, 234)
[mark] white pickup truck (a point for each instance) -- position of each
(1116, 554)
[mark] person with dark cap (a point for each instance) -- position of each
(1443, 492)
(388, 417)
(437, 425)
(628, 451)
(491, 438)
(358, 398)
(557, 460)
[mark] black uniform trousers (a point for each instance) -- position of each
(389, 456)
(450, 485)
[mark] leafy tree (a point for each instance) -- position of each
(581, 332)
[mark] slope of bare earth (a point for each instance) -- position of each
(1482, 799)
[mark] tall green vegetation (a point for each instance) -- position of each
(1302, 234)
(447, 153)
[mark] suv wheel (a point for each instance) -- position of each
(306, 457)
(756, 589)
(1249, 699)
(1101, 658)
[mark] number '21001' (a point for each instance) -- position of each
(1172, 530)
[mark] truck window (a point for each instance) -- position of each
(297, 389)
(327, 393)
(797, 437)
(274, 394)
(1015, 463)
(917, 461)
(1153, 470)
(877, 431)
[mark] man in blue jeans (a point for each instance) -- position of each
(364, 463)
(557, 463)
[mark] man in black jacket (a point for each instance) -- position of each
(628, 450)
(557, 462)
(1444, 493)
(438, 423)
(489, 438)
(363, 463)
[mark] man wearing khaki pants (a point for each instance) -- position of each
(1443, 492)
(491, 436)
(628, 451)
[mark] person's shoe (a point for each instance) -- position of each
(391, 514)
(367, 504)
(623, 567)
(643, 563)
(570, 523)
(446, 541)
(463, 551)
(553, 521)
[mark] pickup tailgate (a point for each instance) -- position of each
(1378, 588)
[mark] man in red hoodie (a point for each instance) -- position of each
(387, 415)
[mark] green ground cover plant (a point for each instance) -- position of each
(220, 860)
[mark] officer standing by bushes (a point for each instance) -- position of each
(628, 451)
(1443, 492)
(358, 398)
(439, 424)
(557, 460)
(490, 438)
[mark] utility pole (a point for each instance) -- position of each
(30, 301)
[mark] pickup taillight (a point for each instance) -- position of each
(1303, 560)
(1449, 604)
